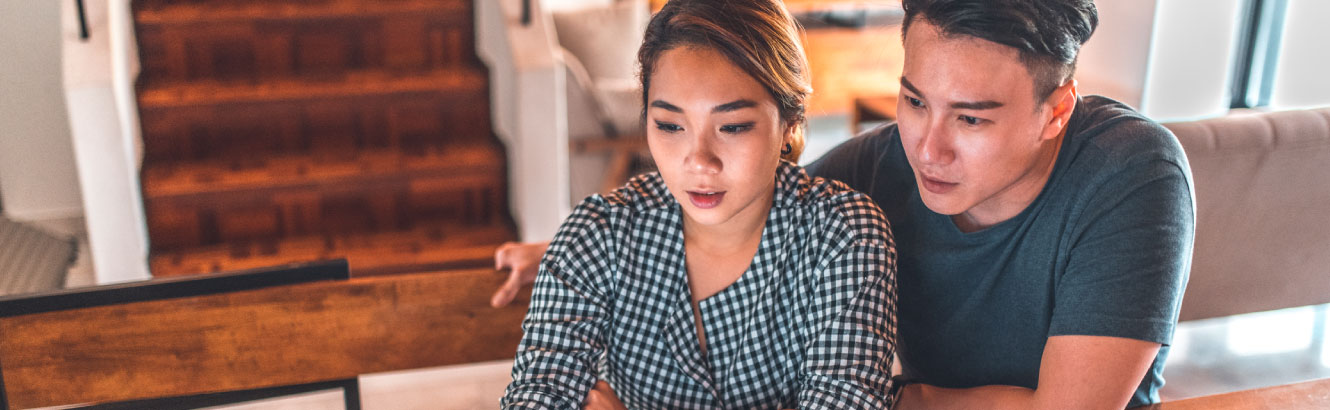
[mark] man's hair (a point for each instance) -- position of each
(1047, 33)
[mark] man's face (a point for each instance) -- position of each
(980, 145)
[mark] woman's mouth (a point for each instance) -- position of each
(706, 199)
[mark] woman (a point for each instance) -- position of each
(730, 278)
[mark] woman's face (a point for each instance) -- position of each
(715, 134)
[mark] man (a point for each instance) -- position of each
(1044, 239)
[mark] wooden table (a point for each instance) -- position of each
(1298, 396)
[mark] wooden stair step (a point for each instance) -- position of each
(161, 95)
(206, 203)
(463, 164)
(436, 247)
(408, 121)
(231, 43)
(183, 13)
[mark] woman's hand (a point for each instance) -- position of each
(602, 397)
(522, 259)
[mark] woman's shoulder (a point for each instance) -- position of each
(603, 216)
(830, 203)
(645, 191)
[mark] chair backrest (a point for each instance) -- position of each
(285, 326)
(1263, 211)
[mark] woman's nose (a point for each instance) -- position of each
(702, 158)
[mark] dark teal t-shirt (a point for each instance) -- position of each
(1104, 250)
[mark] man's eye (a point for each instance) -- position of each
(971, 120)
(736, 128)
(668, 127)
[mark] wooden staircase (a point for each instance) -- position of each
(290, 130)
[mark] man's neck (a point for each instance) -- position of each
(1015, 198)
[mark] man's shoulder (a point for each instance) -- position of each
(831, 203)
(872, 162)
(1120, 133)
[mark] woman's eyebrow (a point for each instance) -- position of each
(666, 106)
(734, 105)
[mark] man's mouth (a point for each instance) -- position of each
(706, 199)
(936, 186)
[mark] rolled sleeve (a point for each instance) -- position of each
(848, 363)
(556, 364)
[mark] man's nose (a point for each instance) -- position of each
(935, 146)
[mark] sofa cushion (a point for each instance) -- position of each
(1263, 212)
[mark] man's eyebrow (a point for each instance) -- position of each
(666, 106)
(906, 83)
(734, 105)
(962, 105)
(976, 105)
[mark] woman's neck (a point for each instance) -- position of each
(730, 237)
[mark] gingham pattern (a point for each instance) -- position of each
(810, 325)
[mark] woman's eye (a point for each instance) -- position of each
(971, 120)
(736, 128)
(914, 102)
(668, 127)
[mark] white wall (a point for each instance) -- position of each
(1304, 59)
(103, 120)
(559, 5)
(1191, 59)
(38, 178)
(529, 111)
(1115, 60)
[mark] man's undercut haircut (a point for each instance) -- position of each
(1047, 33)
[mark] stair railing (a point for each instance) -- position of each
(83, 20)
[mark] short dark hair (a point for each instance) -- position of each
(1047, 33)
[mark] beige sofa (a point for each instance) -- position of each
(1263, 211)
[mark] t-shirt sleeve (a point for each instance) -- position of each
(556, 363)
(1130, 257)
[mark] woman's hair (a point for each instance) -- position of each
(758, 36)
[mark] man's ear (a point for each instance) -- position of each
(1061, 103)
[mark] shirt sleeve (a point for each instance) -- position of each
(563, 340)
(1129, 260)
(848, 363)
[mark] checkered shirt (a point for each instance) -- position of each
(811, 324)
